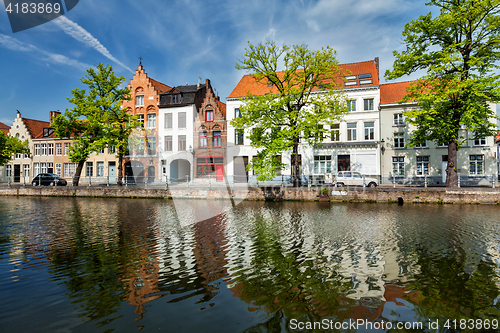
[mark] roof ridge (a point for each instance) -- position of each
(398, 82)
(357, 62)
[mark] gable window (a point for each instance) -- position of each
(168, 143)
(203, 140)
(476, 165)
(237, 113)
(399, 140)
(139, 100)
(351, 105)
(369, 130)
(368, 104)
(239, 137)
(422, 165)
(168, 120)
(398, 119)
(209, 115)
(217, 139)
(182, 120)
(335, 132)
(351, 132)
(398, 165)
(152, 120)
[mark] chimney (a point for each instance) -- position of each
(53, 115)
(199, 83)
(377, 63)
(18, 114)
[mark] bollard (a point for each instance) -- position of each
(187, 181)
(24, 181)
(166, 182)
(364, 181)
(425, 180)
(209, 181)
(108, 181)
(393, 181)
(493, 182)
(309, 182)
(126, 181)
(281, 180)
(90, 181)
(8, 181)
(458, 182)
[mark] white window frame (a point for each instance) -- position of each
(322, 164)
(26, 170)
(50, 149)
(179, 124)
(139, 100)
(151, 120)
(169, 120)
(398, 166)
(8, 171)
(100, 169)
(399, 140)
(182, 143)
(352, 131)
(369, 131)
(398, 119)
(169, 143)
(369, 104)
(476, 165)
(480, 142)
(423, 163)
(351, 105)
(37, 149)
(58, 149)
(58, 169)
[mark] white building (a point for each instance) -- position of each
(353, 146)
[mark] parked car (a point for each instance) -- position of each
(48, 179)
(353, 178)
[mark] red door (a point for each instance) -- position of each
(219, 172)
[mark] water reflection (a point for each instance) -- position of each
(123, 265)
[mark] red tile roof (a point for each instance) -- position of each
(393, 92)
(4, 128)
(35, 127)
(160, 87)
(249, 84)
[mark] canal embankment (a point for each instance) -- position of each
(276, 193)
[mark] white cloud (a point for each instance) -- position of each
(80, 34)
(54, 58)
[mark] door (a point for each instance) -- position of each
(344, 163)
(112, 172)
(17, 173)
(219, 172)
(444, 165)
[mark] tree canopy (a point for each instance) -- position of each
(458, 49)
(9, 146)
(97, 120)
(301, 98)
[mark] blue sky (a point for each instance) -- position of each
(181, 40)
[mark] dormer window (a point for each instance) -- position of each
(176, 98)
(47, 132)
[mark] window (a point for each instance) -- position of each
(398, 165)
(58, 149)
(237, 113)
(66, 148)
(205, 167)
(398, 119)
(151, 145)
(365, 76)
(89, 169)
(26, 170)
(399, 140)
(151, 120)
(139, 148)
(209, 115)
(50, 149)
(422, 145)
(111, 149)
(58, 170)
(8, 170)
(139, 100)
(322, 164)
(217, 139)
(368, 104)
(351, 105)
(370, 131)
(168, 120)
(176, 98)
(26, 156)
(36, 166)
(335, 132)
(239, 137)
(140, 119)
(203, 140)
(422, 165)
(351, 132)
(182, 142)
(18, 156)
(168, 143)
(37, 150)
(44, 149)
(100, 169)
(476, 165)
(43, 167)
(70, 169)
(100, 151)
(182, 119)
(480, 142)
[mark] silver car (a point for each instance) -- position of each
(353, 178)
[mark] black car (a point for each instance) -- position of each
(48, 179)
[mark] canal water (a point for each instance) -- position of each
(127, 265)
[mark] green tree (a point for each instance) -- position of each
(9, 146)
(97, 120)
(293, 110)
(458, 49)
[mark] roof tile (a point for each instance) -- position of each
(393, 92)
(4, 128)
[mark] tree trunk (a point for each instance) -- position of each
(78, 172)
(451, 169)
(120, 168)
(295, 163)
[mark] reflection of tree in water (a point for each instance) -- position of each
(286, 279)
(90, 265)
(447, 288)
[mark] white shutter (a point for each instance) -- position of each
(366, 164)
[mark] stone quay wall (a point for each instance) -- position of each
(381, 194)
